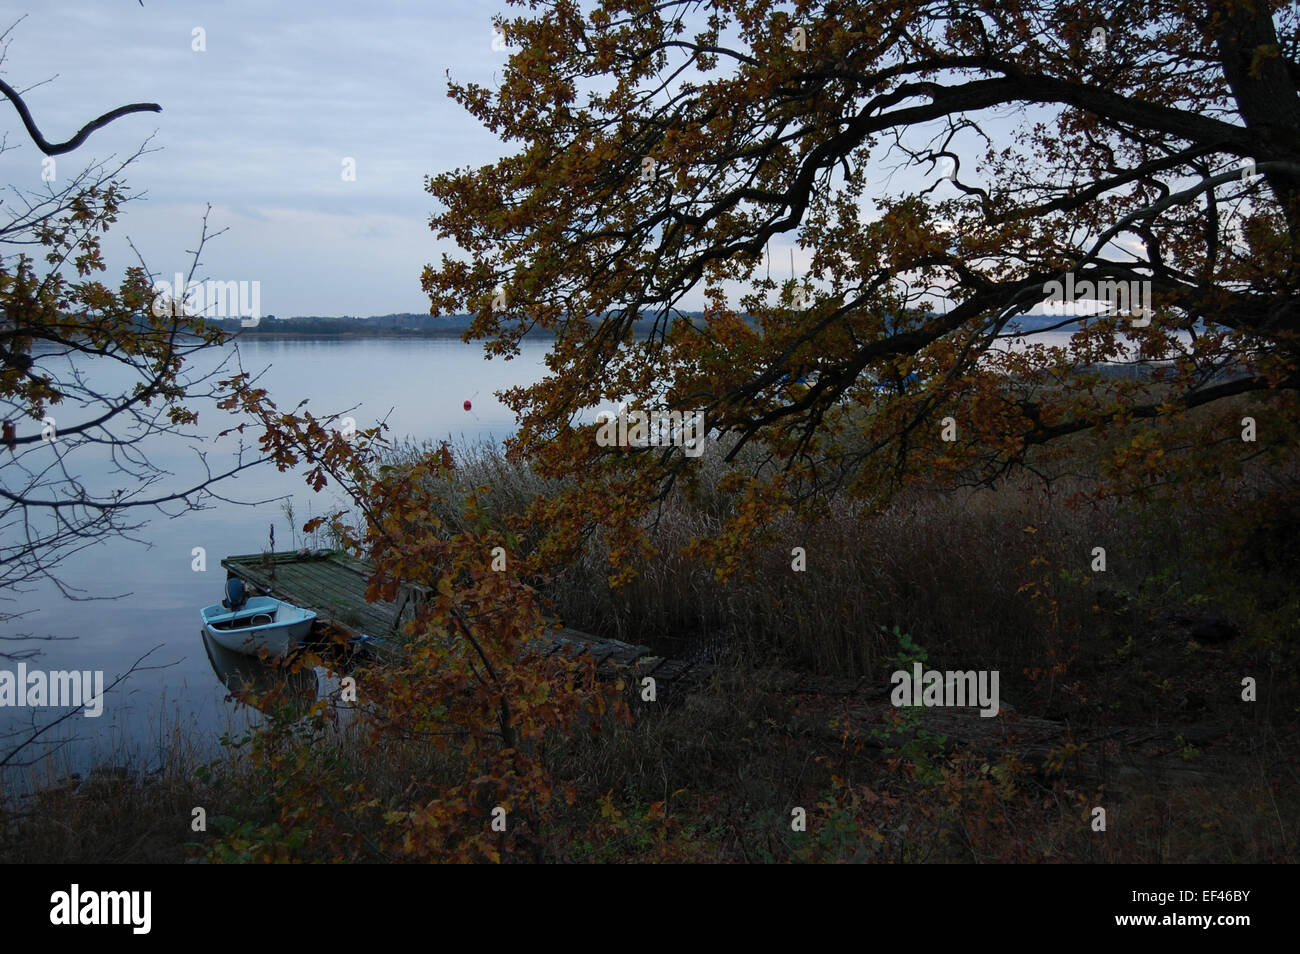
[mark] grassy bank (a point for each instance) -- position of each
(1196, 594)
(711, 777)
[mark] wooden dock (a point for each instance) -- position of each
(333, 583)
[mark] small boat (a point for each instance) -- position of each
(248, 625)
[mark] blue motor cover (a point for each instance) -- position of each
(236, 596)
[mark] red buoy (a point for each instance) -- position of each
(468, 405)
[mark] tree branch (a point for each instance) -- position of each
(54, 149)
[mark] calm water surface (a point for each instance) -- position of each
(419, 385)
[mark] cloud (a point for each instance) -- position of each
(259, 124)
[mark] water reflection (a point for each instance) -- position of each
(270, 684)
(273, 687)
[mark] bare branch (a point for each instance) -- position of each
(55, 149)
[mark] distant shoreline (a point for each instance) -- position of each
(379, 326)
(455, 326)
(357, 335)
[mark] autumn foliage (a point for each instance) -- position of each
(662, 148)
(657, 151)
(468, 686)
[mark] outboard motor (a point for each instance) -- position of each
(236, 596)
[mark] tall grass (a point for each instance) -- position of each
(995, 577)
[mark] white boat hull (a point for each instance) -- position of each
(263, 624)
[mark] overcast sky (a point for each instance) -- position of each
(258, 125)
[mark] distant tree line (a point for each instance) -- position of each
(350, 326)
(429, 326)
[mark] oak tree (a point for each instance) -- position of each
(940, 164)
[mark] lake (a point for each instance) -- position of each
(419, 385)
